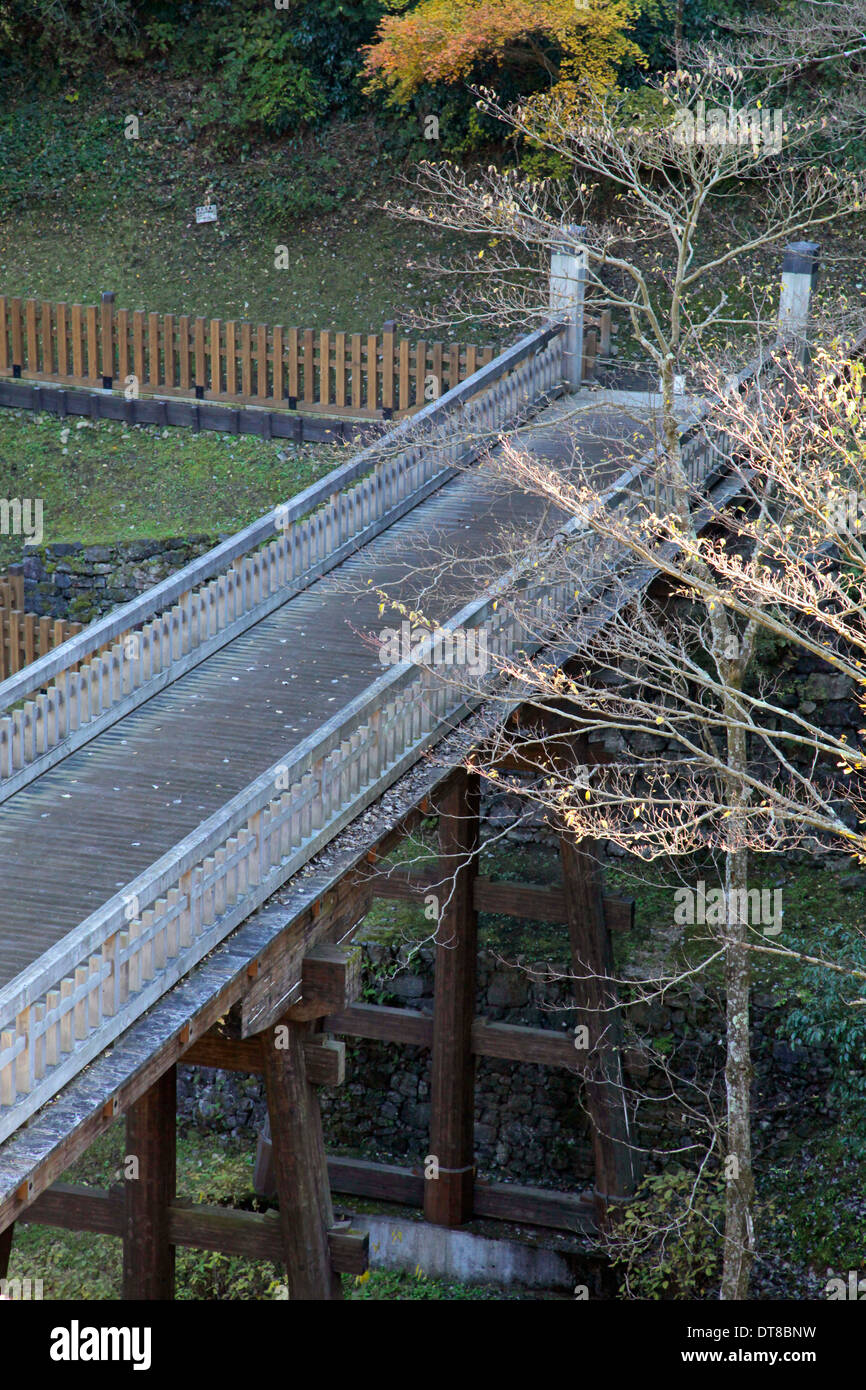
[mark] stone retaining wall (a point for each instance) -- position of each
(82, 582)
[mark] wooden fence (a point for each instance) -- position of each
(241, 363)
(24, 636)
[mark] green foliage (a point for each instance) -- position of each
(824, 1016)
(47, 39)
(262, 82)
(539, 163)
(810, 1206)
(397, 1286)
(35, 164)
(667, 1244)
(205, 1274)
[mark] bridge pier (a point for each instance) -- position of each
(450, 1169)
(300, 1168)
(6, 1238)
(149, 1191)
(598, 1015)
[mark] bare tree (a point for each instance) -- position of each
(749, 775)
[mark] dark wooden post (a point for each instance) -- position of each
(448, 1196)
(107, 336)
(592, 965)
(300, 1167)
(148, 1255)
(6, 1249)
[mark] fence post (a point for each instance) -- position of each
(567, 296)
(799, 277)
(388, 330)
(107, 339)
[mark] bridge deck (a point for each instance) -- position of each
(85, 828)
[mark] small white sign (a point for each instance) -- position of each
(206, 213)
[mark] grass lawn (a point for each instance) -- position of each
(104, 481)
(118, 214)
(216, 1172)
(348, 270)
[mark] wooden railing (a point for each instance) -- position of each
(76, 998)
(25, 636)
(79, 996)
(114, 664)
(228, 360)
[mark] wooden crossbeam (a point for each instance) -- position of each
(329, 981)
(552, 753)
(511, 1042)
(544, 739)
(384, 1024)
(253, 1235)
(324, 1058)
(508, 1041)
(528, 900)
(497, 1201)
(256, 1235)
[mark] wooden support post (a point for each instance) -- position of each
(799, 276)
(592, 965)
(448, 1196)
(148, 1255)
(300, 1166)
(6, 1249)
(568, 270)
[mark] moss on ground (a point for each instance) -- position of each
(107, 482)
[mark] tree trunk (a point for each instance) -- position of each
(739, 1249)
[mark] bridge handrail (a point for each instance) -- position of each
(222, 593)
(71, 1002)
(100, 633)
(77, 997)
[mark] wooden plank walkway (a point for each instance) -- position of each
(84, 829)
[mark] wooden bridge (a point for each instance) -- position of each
(197, 791)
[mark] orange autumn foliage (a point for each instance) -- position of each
(572, 41)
